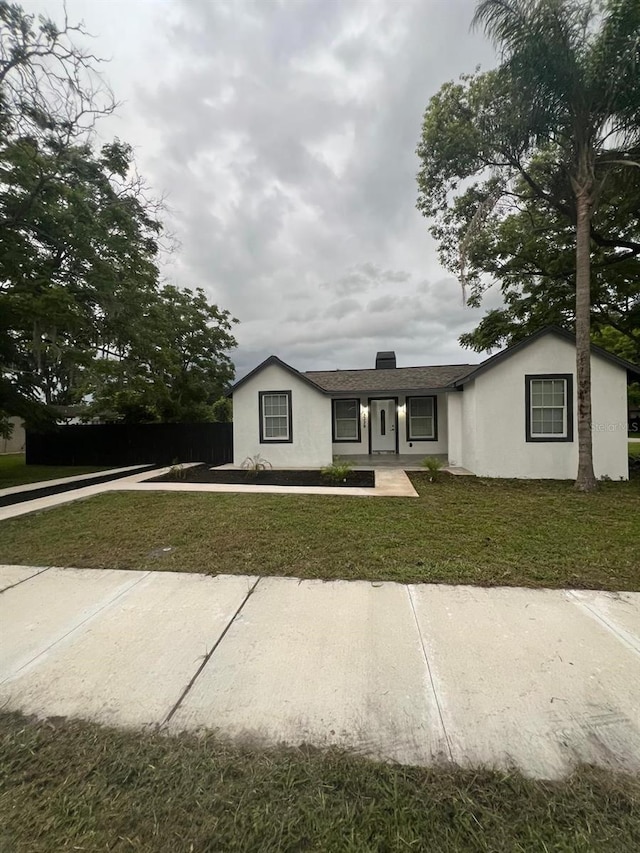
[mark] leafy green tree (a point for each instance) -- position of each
(528, 251)
(222, 410)
(176, 368)
(619, 344)
(77, 266)
(82, 315)
(49, 86)
(560, 117)
(50, 97)
(625, 346)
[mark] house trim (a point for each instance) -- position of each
(408, 418)
(273, 359)
(263, 438)
(544, 439)
(632, 369)
(334, 437)
(379, 393)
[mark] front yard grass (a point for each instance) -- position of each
(460, 530)
(634, 449)
(15, 472)
(75, 786)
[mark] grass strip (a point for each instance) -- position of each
(460, 530)
(75, 786)
(15, 472)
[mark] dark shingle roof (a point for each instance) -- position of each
(418, 378)
(398, 379)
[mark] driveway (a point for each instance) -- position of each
(537, 679)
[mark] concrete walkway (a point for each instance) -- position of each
(537, 679)
(113, 473)
(389, 483)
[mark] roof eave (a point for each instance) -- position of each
(632, 369)
(273, 359)
(367, 392)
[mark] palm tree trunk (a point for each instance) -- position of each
(586, 480)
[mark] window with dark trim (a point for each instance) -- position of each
(346, 420)
(422, 418)
(275, 417)
(549, 407)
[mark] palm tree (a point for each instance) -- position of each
(573, 68)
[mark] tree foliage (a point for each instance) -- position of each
(535, 161)
(82, 314)
(222, 410)
(176, 367)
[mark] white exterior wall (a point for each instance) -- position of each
(419, 448)
(469, 421)
(610, 420)
(454, 429)
(311, 422)
(494, 425)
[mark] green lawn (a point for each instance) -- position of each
(634, 449)
(14, 471)
(460, 530)
(74, 786)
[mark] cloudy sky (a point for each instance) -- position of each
(282, 134)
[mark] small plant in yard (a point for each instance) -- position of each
(433, 465)
(254, 464)
(337, 472)
(177, 471)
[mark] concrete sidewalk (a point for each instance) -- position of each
(537, 679)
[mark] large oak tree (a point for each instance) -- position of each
(83, 317)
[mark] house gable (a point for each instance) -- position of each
(633, 370)
(268, 362)
(282, 417)
(497, 411)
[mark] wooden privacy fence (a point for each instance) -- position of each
(131, 444)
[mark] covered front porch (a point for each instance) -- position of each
(405, 461)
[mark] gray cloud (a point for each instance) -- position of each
(342, 308)
(284, 137)
(382, 303)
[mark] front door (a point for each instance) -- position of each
(383, 425)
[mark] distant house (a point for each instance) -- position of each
(512, 415)
(15, 443)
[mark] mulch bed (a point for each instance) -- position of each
(203, 474)
(32, 494)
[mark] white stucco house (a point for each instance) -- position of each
(512, 415)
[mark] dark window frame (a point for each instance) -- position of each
(537, 439)
(407, 416)
(334, 437)
(264, 439)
